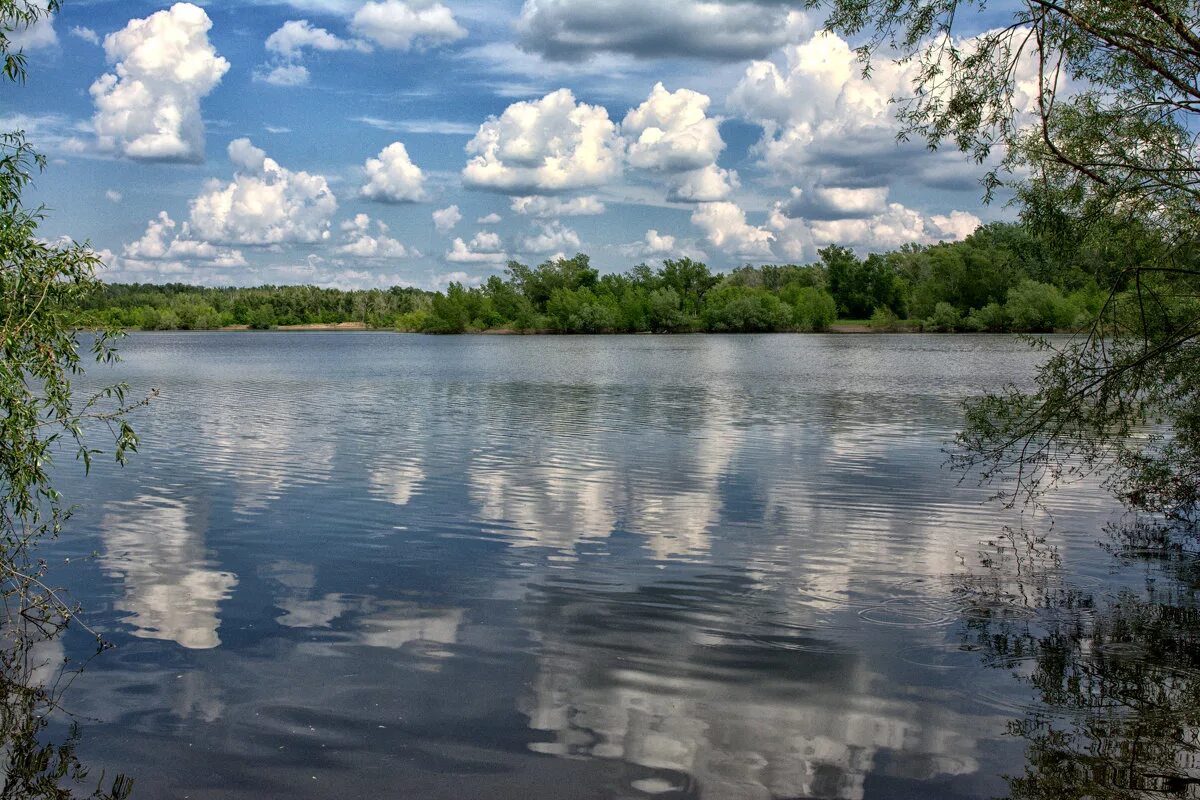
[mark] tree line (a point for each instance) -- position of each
(1002, 278)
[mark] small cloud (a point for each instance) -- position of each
(544, 207)
(440, 282)
(434, 126)
(276, 129)
(444, 219)
(87, 34)
(114, 196)
(285, 75)
(485, 248)
(490, 219)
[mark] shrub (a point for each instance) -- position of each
(814, 309)
(1039, 307)
(945, 318)
(992, 318)
(885, 320)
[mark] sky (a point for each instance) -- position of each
(416, 142)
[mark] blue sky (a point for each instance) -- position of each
(351, 143)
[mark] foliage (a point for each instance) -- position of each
(815, 309)
(945, 318)
(180, 307)
(41, 285)
(884, 320)
(860, 286)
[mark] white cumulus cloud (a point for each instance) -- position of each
(485, 247)
(283, 75)
(362, 243)
(955, 226)
(549, 145)
(166, 240)
(265, 203)
(891, 226)
(825, 124)
(392, 177)
(444, 219)
(672, 133)
(725, 225)
(399, 25)
(549, 237)
(296, 35)
(148, 107)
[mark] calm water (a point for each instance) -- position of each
(541, 567)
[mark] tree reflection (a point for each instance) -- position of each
(1114, 677)
(39, 759)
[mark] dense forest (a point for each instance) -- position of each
(1001, 278)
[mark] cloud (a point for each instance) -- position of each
(671, 133)
(148, 107)
(165, 240)
(362, 244)
(836, 202)
(485, 248)
(86, 34)
(574, 30)
(490, 219)
(437, 126)
(444, 219)
(547, 207)
(440, 282)
(725, 225)
(283, 75)
(702, 185)
(549, 145)
(392, 177)
(955, 226)
(288, 44)
(892, 226)
(114, 196)
(296, 35)
(549, 237)
(264, 203)
(824, 124)
(38, 36)
(657, 245)
(399, 25)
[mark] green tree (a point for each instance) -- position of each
(41, 286)
(860, 286)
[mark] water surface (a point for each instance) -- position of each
(382, 565)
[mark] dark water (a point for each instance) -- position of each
(541, 567)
